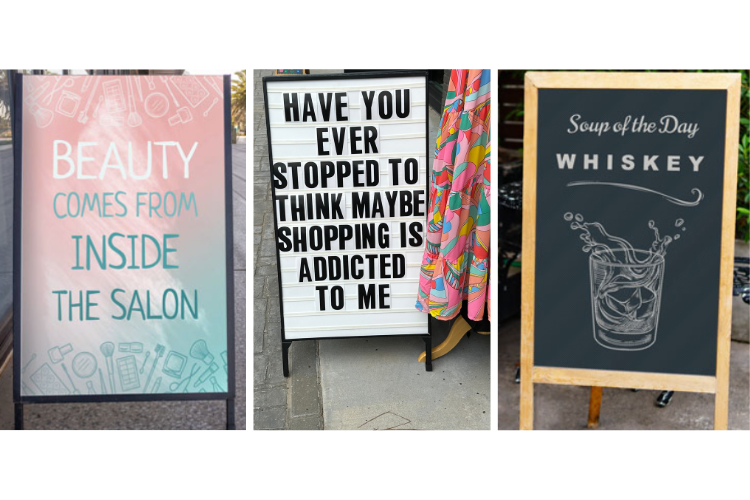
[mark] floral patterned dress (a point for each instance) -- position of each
(455, 264)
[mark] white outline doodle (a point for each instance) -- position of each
(632, 187)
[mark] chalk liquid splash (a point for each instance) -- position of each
(626, 284)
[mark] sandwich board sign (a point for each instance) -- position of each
(348, 156)
(628, 232)
(123, 240)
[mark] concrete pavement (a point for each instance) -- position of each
(376, 383)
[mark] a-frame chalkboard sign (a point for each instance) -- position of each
(628, 232)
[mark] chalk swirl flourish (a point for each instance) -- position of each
(671, 199)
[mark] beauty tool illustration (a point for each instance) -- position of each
(191, 89)
(43, 117)
(183, 385)
(212, 83)
(83, 116)
(135, 347)
(143, 366)
(140, 89)
(32, 97)
(208, 110)
(128, 372)
(87, 84)
(70, 379)
(134, 119)
(199, 350)
(108, 349)
(156, 105)
(84, 365)
(68, 104)
(114, 98)
(159, 350)
(48, 383)
(183, 116)
(62, 83)
(57, 354)
(101, 382)
(98, 105)
(212, 368)
(157, 384)
(166, 84)
(215, 385)
(174, 364)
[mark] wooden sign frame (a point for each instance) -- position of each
(532, 374)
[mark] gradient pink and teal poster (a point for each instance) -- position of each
(123, 244)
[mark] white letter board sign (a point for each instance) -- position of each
(348, 156)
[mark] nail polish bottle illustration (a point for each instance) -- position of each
(183, 116)
(57, 354)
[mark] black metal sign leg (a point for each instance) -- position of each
(230, 415)
(428, 352)
(19, 416)
(285, 357)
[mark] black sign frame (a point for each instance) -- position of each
(19, 400)
(287, 343)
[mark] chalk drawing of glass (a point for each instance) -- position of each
(625, 298)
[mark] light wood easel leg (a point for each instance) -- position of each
(458, 330)
(721, 401)
(595, 407)
(527, 399)
(527, 387)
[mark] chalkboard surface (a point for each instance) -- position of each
(628, 229)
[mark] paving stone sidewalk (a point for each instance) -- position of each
(279, 403)
(566, 407)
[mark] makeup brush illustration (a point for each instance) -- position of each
(159, 350)
(215, 385)
(199, 351)
(108, 349)
(70, 379)
(157, 384)
(101, 382)
(212, 368)
(148, 353)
